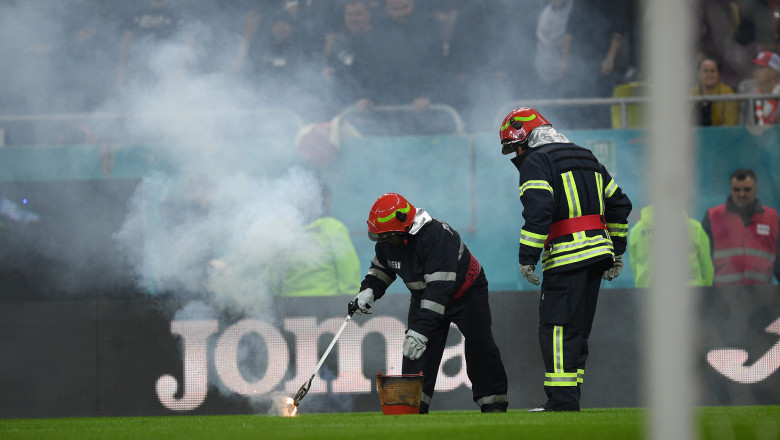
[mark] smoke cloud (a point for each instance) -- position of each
(216, 223)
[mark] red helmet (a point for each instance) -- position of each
(390, 216)
(517, 125)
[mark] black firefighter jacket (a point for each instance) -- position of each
(560, 181)
(432, 263)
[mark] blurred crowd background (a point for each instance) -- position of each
(317, 57)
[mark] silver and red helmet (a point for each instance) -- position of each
(517, 126)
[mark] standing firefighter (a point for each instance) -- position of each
(576, 216)
(447, 285)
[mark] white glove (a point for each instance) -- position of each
(614, 271)
(414, 344)
(527, 271)
(364, 300)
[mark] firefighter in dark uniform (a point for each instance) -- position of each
(447, 285)
(576, 217)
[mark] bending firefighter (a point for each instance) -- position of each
(447, 285)
(576, 217)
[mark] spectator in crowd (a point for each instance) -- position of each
(595, 33)
(342, 46)
(744, 235)
(720, 35)
(473, 75)
(312, 21)
(278, 65)
(709, 113)
(144, 25)
(86, 70)
(764, 81)
(252, 18)
(399, 65)
(550, 31)
(331, 266)
(640, 247)
(758, 24)
(403, 53)
(28, 55)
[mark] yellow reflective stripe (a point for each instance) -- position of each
(560, 379)
(558, 349)
(577, 257)
(599, 191)
(611, 188)
(617, 229)
(535, 184)
(531, 239)
(391, 216)
(567, 246)
(572, 196)
(518, 118)
(580, 375)
(559, 375)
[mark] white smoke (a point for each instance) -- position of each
(218, 225)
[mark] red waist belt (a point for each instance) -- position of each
(471, 276)
(574, 225)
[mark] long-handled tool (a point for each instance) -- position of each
(304, 389)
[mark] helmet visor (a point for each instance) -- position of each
(384, 236)
(509, 146)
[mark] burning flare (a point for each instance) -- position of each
(290, 409)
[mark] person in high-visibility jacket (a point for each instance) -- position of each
(576, 217)
(640, 245)
(744, 235)
(336, 268)
(336, 271)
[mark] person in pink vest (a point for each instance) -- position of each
(744, 235)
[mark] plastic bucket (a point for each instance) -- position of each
(400, 394)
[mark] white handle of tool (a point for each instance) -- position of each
(332, 343)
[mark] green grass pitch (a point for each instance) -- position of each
(745, 422)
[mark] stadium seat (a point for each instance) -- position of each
(635, 112)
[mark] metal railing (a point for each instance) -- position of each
(296, 122)
(623, 102)
(451, 112)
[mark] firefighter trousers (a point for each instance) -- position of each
(567, 307)
(484, 367)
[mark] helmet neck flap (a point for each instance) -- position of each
(421, 218)
(538, 137)
(544, 135)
